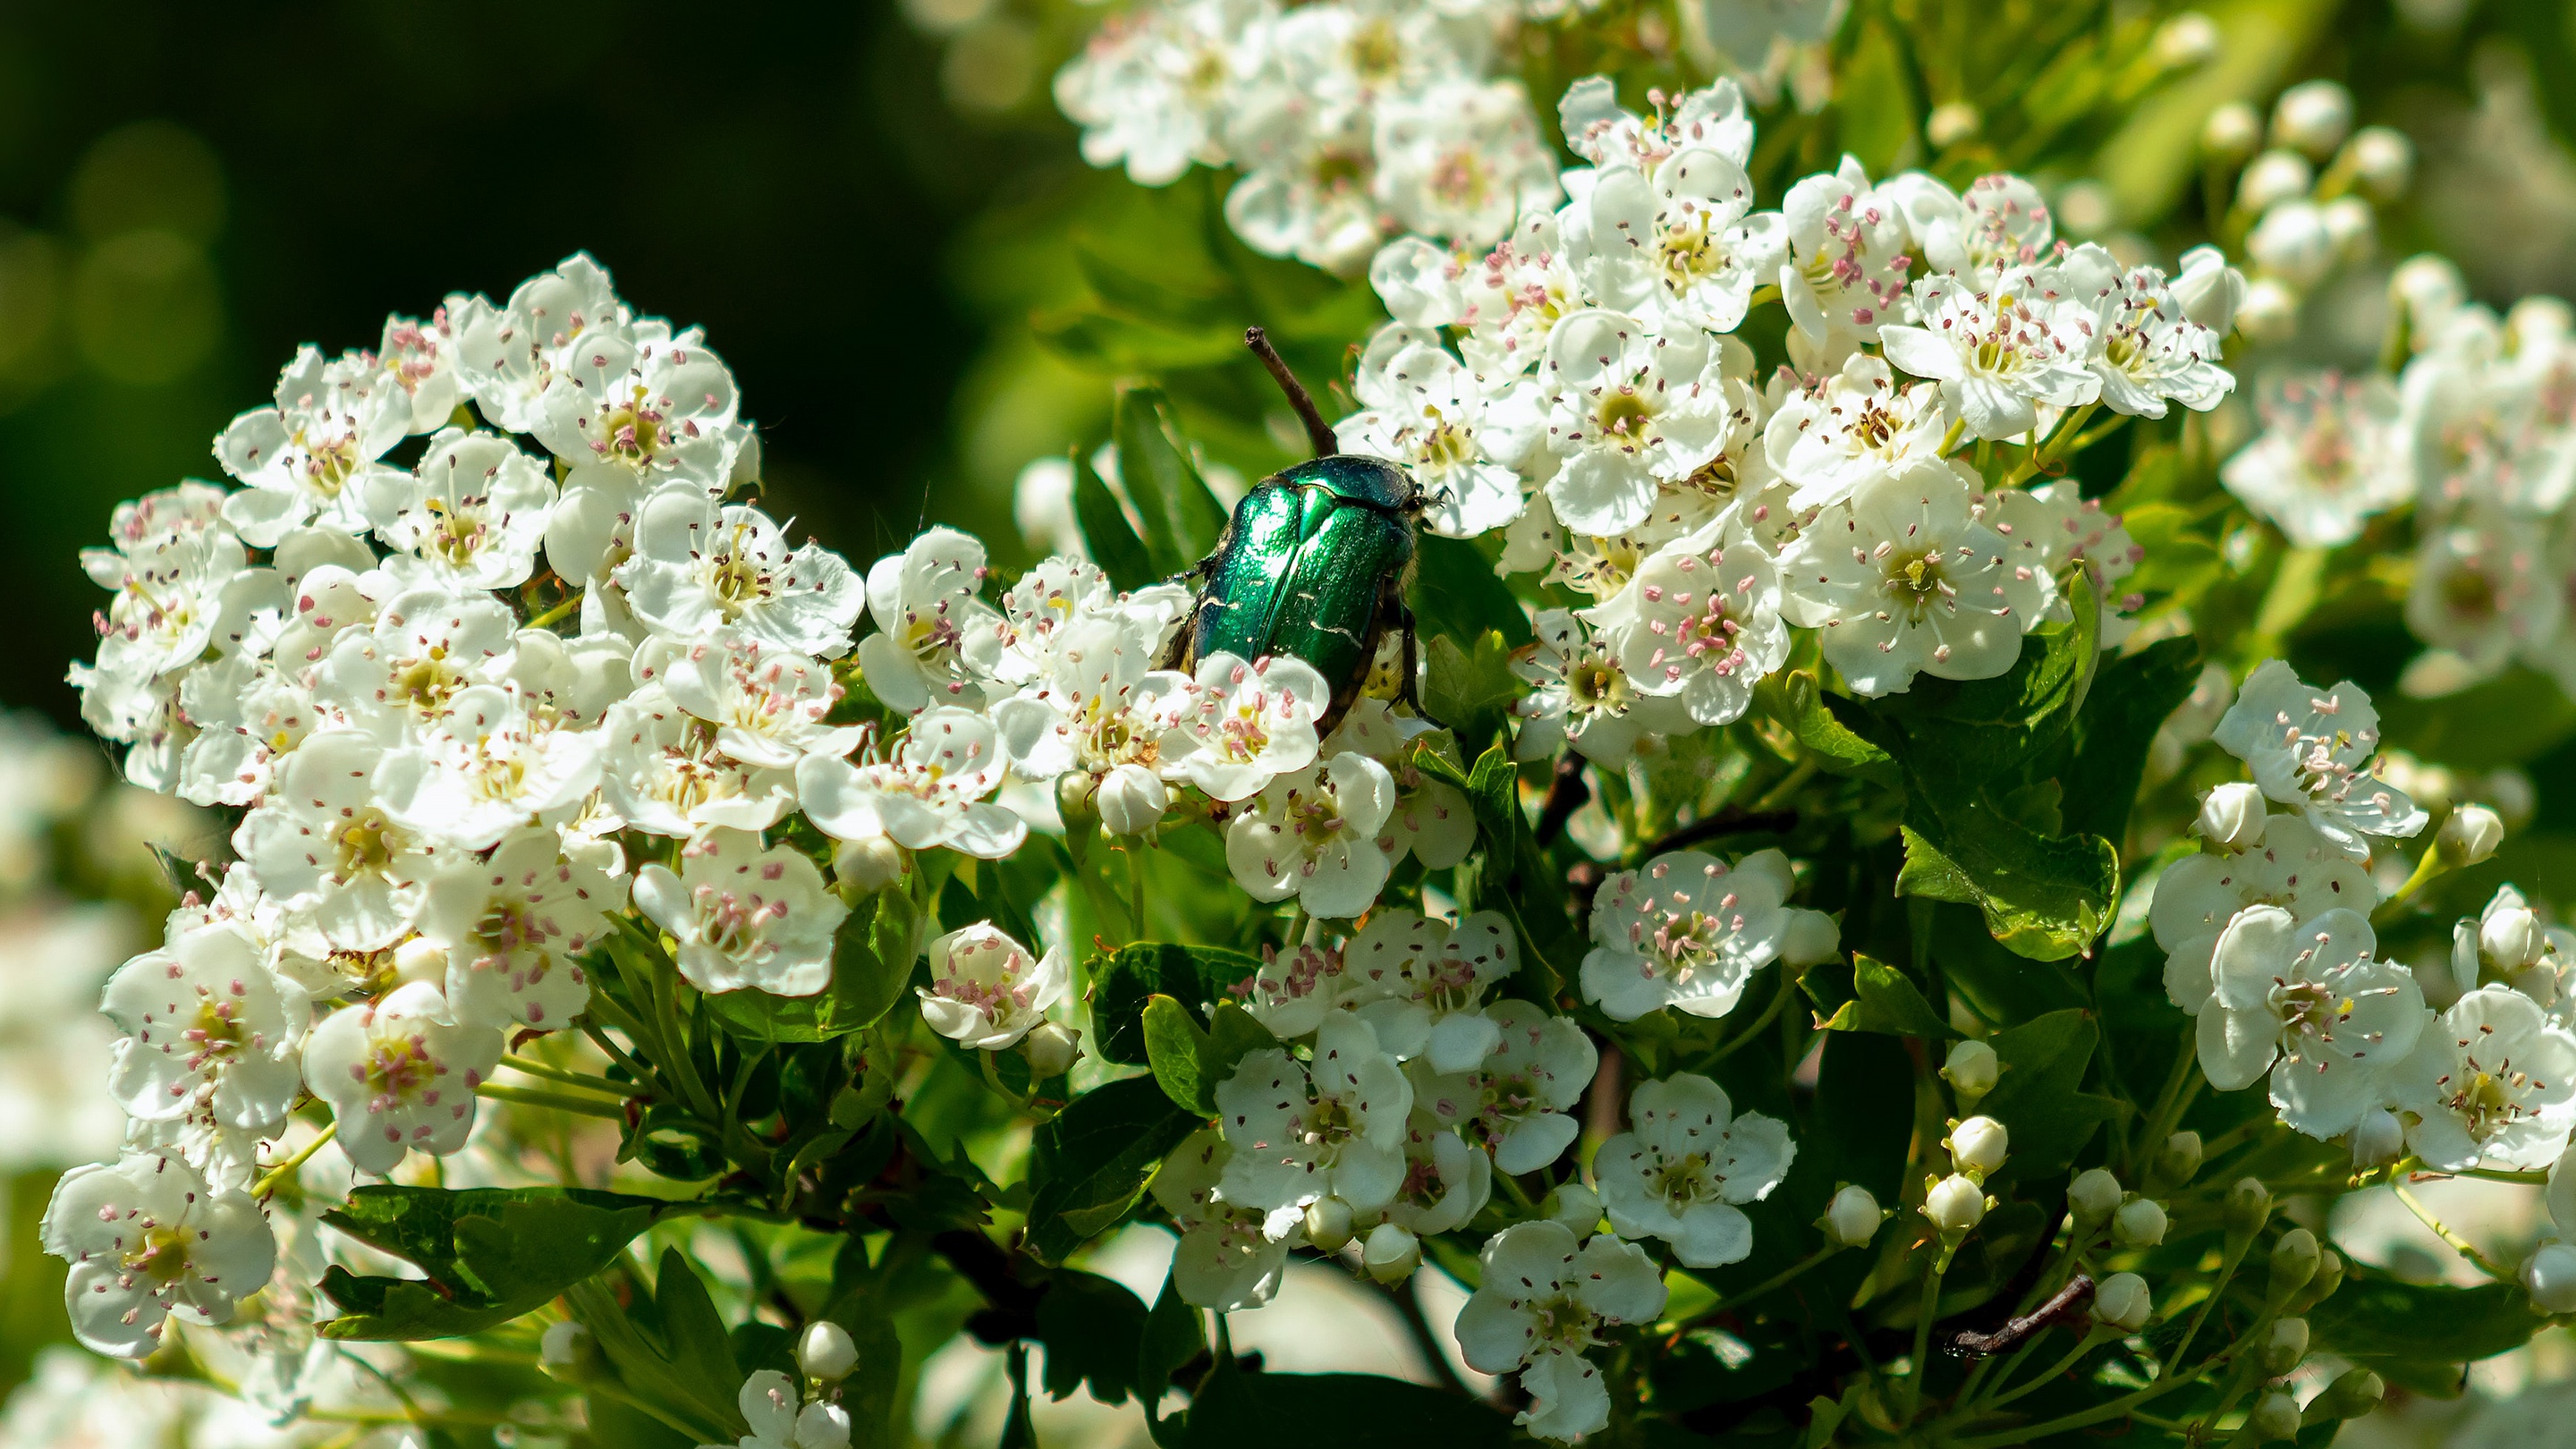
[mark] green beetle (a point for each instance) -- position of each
(1313, 565)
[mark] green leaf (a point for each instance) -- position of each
(1105, 529)
(1182, 518)
(2132, 697)
(1090, 1162)
(490, 1254)
(872, 958)
(1514, 875)
(1882, 999)
(1964, 736)
(701, 1350)
(1123, 980)
(2040, 1098)
(2044, 897)
(1174, 1334)
(1862, 1118)
(1470, 692)
(1190, 1061)
(1237, 1410)
(1874, 96)
(2417, 1334)
(1457, 595)
(1093, 1329)
(1795, 700)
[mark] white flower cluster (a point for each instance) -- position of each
(1351, 120)
(2269, 945)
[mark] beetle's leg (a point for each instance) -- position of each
(1408, 691)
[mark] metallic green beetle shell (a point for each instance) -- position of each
(1308, 568)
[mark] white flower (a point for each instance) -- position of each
(1226, 1259)
(768, 704)
(1904, 578)
(1580, 696)
(2150, 350)
(312, 455)
(1314, 835)
(699, 564)
(1431, 820)
(2001, 348)
(639, 398)
(661, 772)
(1511, 301)
(571, 683)
(1098, 704)
(248, 717)
(2309, 996)
(1601, 131)
(1462, 159)
(399, 1075)
(1544, 1300)
(1446, 1182)
(208, 1028)
(1686, 931)
(2292, 867)
(1515, 1101)
(145, 1239)
(986, 991)
(1332, 1129)
(1701, 625)
(325, 843)
(2487, 589)
(1675, 243)
(486, 769)
(1040, 612)
(1844, 276)
(1417, 982)
(407, 667)
(744, 916)
(471, 516)
(934, 636)
(2314, 752)
(2332, 453)
(2209, 290)
(506, 356)
(1152, 85)
(512, 926)
(2052, 529)
(1684, 1164)
(1310, 170)
(931, 793)
(189, 593)
(1627, 408)
(1427, 413)
(769, 1402)
(1858, 425)
(2491, 1079)
(1247, 725)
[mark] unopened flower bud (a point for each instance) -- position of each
(2188, 39)
(2208, 289)
(2379, 1140)
(1391, 1254)
(2093, 1196)
(2232, 816)
(2321, 1287)
(2287, 1345)
(2293, 243)
(2247, 1208)
(420, 959)
(825, 1351)
(2231, 133)
(2511, 938)
(1854, 1217)
(2382, 161)
(2122, 1301)
(1132, 800)
(2349, 226)
(1811, 939)
(2429, 288)
(868, 866)
(2270, 312)
(2140, 1223)
(2549, 1275)
(1978, 1146)
(1951, 123)
(1971, 1070)
(2468, 962)
(2275, 1418)
(2273, 178)
(2294, 1262)
(1077, 794)
(1328, 1224)
(2355, 1393)
(2177, 1162)
(562, 1344)
(1576, 1206)
(1052, 1048)
(2470, 835)
(1955, 1204)
(2313, 116)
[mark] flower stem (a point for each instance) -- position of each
(1920, 1362)
(1765, 1287)
(575, 1079)
(2463, 1246)
(558, 612)
(2031, 1433)
(2431, 865)
(275, 1176)
(560, 1101)
(2085, 1342)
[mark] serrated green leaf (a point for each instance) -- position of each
(1794, 698)
(1177, 1047)
(1182, 519)
(872, 960)
(1122, 981)
(1470, 692)
(1882, 999)
(490, 1254)
(700, 1347)
(1457, 595)
(1174, 1334)
(1093, 1329)
(1106, 531)
(1090, 1162)
(2044, 897)
(2132, 697)
(2418, 1334)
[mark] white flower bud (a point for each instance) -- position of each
(2382, 161)
(2292, 243)
(2232, 815)
(562, 1344)
(2272, 178)
(1576, 1206)
(420, 959)
(1971, 1070)
(868, 866)
(1951, 123)
(1955, 1204)
(2470, 835)
(1077, 794)
(2093, 1195)
(2466, 965)
(1854, 1217)
(825, 1351)
(2122, 1301)
(1328, 1224)
(2350, 225)
(2188, 39)
(1978, 1145)
(2430, 288)
(2270, 312)
(2539, 982)
(2379, 1140)
(2232, 132)
(2209, 289)
(2275, 1418)
(2313, 116)
(2287, 1345)
(2511, 937)
(1052, 1048)
(2140, 1223)
(1811, 939)
(1132, 800)
(2550, 1277)
(1390, 1254)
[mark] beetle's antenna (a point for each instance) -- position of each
(1316, 433)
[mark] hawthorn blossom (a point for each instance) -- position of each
(2291, 867)
(1580, 696)
(1683, 1165)
(514, 925)
(2487, 590)
(325, 843)
(313, 454)
(1702, 625)
(1446, 1182)
(1515, 1101)
(399, 1075)
(986, 990)
(2332, 453)
(1098, 705)
(208, 1028)
(2001, 222)
(768, 704)
(2151, 352)
(780, 1418)
(1627, 408)
(1543, 1301)
(2309, 998)
(2314, 752)
(661, 772)
(1685, 931)
(1418, 981)
(146, 1238)
(1844, 275)
(507, 356)
(193, 593)
(2491, 1080)
(2053, 529)
(1605, 133)
(1226, 1258)
(1511, 302)
(1461, 159)
(484, 770)
(2000, 349)
(639, 397)
(1247, 725)
(248, 717)
(745, 917)
(698, 565)
(1314, 835)
(1310, 171)
(930, 793)
(1300, 1132)
(1858, 424)
(1675, 243)
(471, 516)
(407, 666)
(1151, 85)
(1424, 411)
